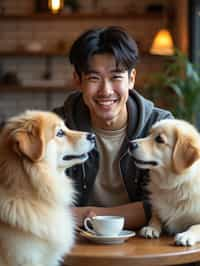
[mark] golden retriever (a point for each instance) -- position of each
(36, 225)
(172, 154)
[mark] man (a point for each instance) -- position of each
(108, 182)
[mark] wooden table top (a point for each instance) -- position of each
(135, 251)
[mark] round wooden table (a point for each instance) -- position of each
(135, 251)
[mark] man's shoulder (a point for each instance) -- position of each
(163, 113)
(143, 114)
(148, 107)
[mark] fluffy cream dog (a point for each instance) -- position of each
(172, 153)
(36, 225)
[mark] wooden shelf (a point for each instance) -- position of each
(80, 16)
(15, 53)
(19, 88)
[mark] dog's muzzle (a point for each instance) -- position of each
(91, 137)
(133, 145)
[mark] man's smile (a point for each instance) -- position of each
(106, 102)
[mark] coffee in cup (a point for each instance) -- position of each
(104, 225)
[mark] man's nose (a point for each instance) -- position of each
(106, 88)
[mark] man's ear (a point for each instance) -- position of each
(132, 76)
(29, 142)
(76, 80)
(184, 154)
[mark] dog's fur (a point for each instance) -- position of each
(172, 153)
(36, 224)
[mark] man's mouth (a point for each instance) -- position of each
(106, 103)
(154, 163)
(72, 157)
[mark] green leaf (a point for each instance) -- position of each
(191, 73)
(179, 82)
(177, 90)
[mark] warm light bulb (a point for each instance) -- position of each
(162, 43)
(55, 5)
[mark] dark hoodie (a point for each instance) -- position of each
(142, 114)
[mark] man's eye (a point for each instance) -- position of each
(117, 77)
(93, 78)
(159, 139)
(60, 133)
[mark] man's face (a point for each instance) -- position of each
(105, 91)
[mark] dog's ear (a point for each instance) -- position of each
(185, 153)
(29, 141)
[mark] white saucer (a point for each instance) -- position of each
(123, 236)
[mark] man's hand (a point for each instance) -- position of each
(80, 213)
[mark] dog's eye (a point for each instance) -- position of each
(60, 133)
(159, 139)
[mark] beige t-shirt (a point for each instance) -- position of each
(109, 189)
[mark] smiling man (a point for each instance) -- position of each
(104, 61)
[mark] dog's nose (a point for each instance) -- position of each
(90, 137)
(133, 146)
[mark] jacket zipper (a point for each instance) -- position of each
(84, 176)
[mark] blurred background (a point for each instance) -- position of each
(36, 36)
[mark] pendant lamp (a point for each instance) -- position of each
(162, 43)
(55, 5)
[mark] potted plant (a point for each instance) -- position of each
(177, 87)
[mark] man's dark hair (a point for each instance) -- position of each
(113, 40)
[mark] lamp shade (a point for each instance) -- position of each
(162, 43)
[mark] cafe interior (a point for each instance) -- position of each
(35, 73)
(36, 36)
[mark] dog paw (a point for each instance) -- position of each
(149, 232)
(185, 239)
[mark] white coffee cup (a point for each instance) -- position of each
(104, 225)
